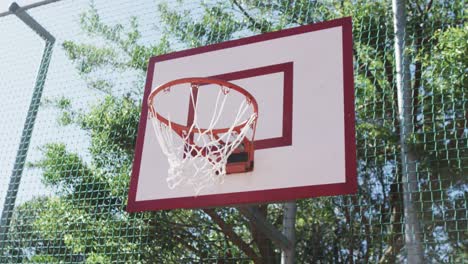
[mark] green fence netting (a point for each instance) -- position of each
(69, 206)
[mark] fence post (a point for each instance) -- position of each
(23, 147)
(415, 254)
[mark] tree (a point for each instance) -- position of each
(87, 220)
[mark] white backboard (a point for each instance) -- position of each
(302, 79)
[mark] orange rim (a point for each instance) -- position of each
(198, 81)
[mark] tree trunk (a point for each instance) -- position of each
(264, 244)
(233, 237)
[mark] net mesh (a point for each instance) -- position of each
(199, 159)
(69, 201)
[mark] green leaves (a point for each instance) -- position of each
(443, 104)
(125, 53)
(139, 54)
(89, 57)
(215, 25)
(449, 59)
(91, 23)
(81, 232)
(86, 220)
(112, 125)
(61, 168)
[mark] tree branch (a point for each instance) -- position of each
(264, 244)
(350, 239)
(395, 242)
(186, 245)
(429, 6)
(229, 232)
(363, 69)
(255, 24)
(418, 45)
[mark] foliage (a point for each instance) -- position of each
(87, 221)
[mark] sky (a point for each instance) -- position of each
(20, 55)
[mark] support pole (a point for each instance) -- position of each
(22, 152)
(30, 6)
(289, 231)
(415, 254)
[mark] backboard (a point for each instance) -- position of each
(302, 80)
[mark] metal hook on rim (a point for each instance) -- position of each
(225, 89)
(194, 85)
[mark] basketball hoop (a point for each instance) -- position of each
(202, 156)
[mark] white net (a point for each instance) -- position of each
(200, 158)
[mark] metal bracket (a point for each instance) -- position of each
(252, 214)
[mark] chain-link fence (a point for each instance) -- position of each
(67, 203)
